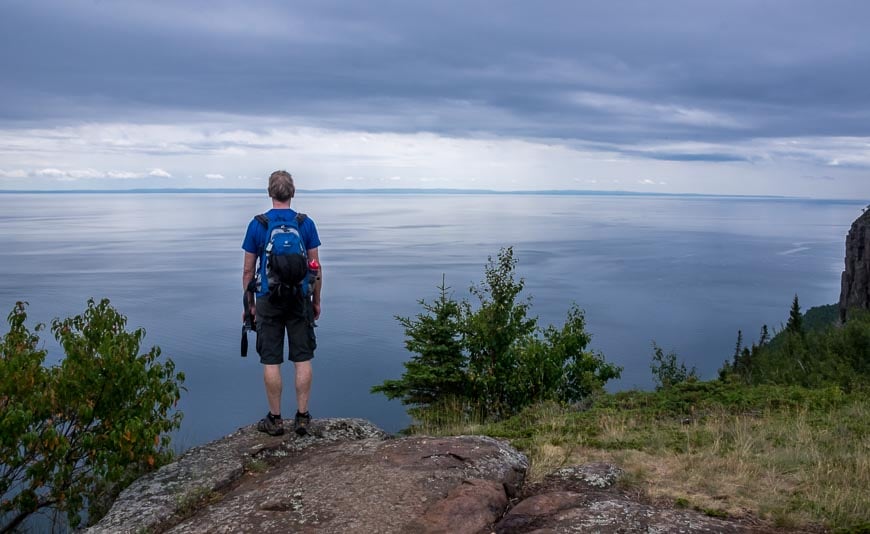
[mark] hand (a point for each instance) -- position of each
(253, 314)
(316, 307)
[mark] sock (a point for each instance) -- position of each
(274, 418)
(298, 414)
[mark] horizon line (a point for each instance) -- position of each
(412, 191)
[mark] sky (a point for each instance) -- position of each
(746, 97)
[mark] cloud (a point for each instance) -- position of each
(159, 173)
(72, 174)
(51, 173)
(642, 110)
(334, 158)
(670, 156)
(78, 174)
(582, 70)
(123, 175)
(17, 173)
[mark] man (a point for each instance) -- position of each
(294, 314)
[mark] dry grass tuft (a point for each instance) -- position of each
(790, 466)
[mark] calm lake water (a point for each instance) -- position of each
(685, 272)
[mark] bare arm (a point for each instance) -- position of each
(248, 269)
(313, 254)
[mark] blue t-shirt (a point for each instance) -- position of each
(255, 237)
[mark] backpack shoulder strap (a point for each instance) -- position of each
(264, 219)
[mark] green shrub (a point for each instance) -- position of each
(72, 436)
(667, 371)
(491, 360)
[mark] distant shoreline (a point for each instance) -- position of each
(422, 191)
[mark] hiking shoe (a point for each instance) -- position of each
(271, 425)
(301, 423)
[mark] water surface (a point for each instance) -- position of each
(685, 272)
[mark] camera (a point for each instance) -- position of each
(250, 322)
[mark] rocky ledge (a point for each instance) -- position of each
(349, 476)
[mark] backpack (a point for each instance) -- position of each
(284, 261)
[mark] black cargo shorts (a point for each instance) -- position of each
(296, 317)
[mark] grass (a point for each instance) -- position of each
(256, 465)
(791, 456)
(190, 502)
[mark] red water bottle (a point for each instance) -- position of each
(313, 275)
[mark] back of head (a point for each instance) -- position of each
(281, 186)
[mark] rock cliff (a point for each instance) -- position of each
(349, 476)
(855, 285)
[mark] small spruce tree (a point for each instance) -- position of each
(436, 371)
(745, 370)
(795, 318)
(764, 337)
(739, 344)
(737, 348)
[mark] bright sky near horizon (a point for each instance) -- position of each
(756, 97)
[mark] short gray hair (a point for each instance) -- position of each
(281, 186)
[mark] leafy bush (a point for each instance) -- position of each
(667, 371)
(492, 360)
(72, 436)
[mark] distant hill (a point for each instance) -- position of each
(820, 317)
(815, 319)
(430, 191)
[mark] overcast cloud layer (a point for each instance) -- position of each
(737, 97)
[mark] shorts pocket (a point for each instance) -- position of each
(312, 336)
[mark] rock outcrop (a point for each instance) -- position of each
(586, 499)
(349, 476)
(855, 285)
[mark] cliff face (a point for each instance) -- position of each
(855, 287)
